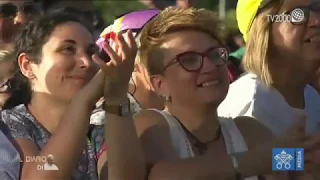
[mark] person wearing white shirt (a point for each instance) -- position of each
(281, 59)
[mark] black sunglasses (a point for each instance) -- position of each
(300, 15)
(192, 61)
(8, 10)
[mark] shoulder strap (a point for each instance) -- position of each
(179, 138)
(234, 140)
(233, 137)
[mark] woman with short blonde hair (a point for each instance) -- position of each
(184, 54)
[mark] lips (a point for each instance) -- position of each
(209, 83)
(314, 38)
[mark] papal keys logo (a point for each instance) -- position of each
(287, 159)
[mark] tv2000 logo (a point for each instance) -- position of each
(296, 16)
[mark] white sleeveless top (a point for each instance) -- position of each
(231, 134)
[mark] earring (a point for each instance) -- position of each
(168, 98)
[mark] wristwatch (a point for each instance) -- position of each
(122, 109)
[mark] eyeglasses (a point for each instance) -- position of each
(9, 10)
(192, 61)
(6, 85)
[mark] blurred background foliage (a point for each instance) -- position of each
(110, 9)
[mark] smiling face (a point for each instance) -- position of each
(66, 64)
(207, 85)
(298, 44)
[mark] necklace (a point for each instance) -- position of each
(202, 147)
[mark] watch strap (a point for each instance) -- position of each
(123, 109)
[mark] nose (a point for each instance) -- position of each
(208, 66)
(85, 62)
(314, 19)
(21, 18)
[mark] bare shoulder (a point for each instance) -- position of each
(154, 134)
(253, 131)
(146, 119)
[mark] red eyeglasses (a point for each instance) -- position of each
(192, 61)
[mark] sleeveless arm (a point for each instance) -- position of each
(167, 165)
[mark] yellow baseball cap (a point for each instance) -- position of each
(246, 12)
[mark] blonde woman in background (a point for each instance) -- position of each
(281, 59)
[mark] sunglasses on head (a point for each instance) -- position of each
(9, 10)
(192, 61)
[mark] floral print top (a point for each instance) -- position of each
(23, 125)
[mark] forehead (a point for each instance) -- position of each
(71, 31)
(16, 2)
(183, 41)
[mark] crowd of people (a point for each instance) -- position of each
(157, 93)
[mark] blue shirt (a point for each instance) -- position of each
(9, 159)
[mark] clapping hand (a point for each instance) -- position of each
(119, 69)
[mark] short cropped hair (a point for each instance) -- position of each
(174, 19)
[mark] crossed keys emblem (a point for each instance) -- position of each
(283, 159)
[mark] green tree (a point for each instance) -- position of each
(110, 9)
(208, 4)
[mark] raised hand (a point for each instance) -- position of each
(119, 69)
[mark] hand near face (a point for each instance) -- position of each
(119, 69)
